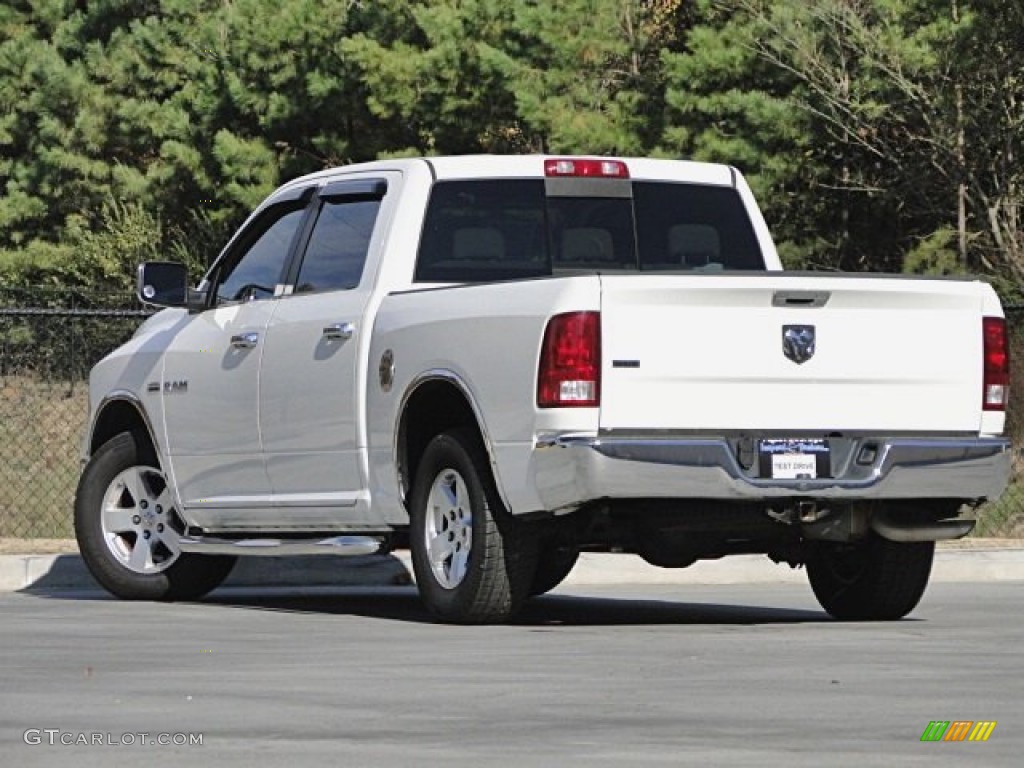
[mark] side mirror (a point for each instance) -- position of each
(163, 284)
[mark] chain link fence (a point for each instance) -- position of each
(50, 339)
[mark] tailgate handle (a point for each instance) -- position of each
(808, 299)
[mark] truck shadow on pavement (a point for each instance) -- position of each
(317, 585)
(402, 604)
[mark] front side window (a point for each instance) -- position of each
(253, 269)
(337, 248)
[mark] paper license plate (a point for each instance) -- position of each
(794, 459)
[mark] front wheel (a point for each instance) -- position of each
(473, 562)
(870, 580)
(128, 529)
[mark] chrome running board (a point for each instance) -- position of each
(335, 545)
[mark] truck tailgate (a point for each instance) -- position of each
(705, 352)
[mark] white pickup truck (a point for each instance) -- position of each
(501, 362)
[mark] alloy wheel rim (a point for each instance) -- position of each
(138, 521)
(448, 532)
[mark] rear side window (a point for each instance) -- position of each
(337, 248)
(478, 231)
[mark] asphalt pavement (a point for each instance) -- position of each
(626, 675)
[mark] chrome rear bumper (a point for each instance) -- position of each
(572, 469)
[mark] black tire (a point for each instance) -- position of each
(871, 580)
(554, 563)
(165, 575)
(483, 559)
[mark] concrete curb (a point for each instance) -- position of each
(68, 572)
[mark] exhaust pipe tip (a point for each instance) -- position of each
(941, 530)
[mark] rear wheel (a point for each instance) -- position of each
(473, 561)
(870, 580)
(128, 529)
(554, 564)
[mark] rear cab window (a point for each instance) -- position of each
(477, 231)
(508, 229)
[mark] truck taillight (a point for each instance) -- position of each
(996, 391)
(586, 167)
(569, 373)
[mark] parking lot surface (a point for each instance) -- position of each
(598, 676)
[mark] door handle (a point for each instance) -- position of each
(339, 331)
(245, 340)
